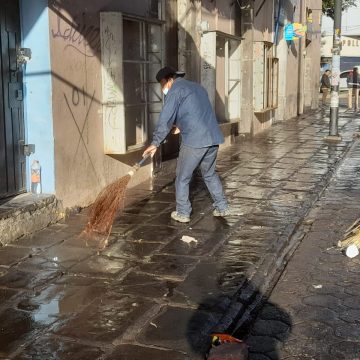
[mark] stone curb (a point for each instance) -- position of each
(21, 217)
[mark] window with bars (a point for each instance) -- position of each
(221, 73)
(132, 54)
(266, 76)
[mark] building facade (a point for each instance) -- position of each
(88, 99)
(350, 52)
(350, 39)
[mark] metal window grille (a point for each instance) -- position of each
(266, 77)
(132, 53)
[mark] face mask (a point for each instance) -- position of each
(165, 91)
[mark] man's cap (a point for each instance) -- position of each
(168, 71)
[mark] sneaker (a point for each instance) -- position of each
(180, 218)
(217, 212)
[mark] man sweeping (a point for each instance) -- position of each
(187, 107)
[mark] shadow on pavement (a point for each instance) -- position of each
(263, 331)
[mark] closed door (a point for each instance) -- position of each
(12, 159)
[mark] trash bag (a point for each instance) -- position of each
(229, 351)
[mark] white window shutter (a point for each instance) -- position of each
(111, 35)
(258, 78)
(208, 64)
(234, 84)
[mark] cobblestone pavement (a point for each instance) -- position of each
(149, 295)
(314, 310)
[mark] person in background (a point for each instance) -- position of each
(325, 86)
(187, 106)
(353, 86)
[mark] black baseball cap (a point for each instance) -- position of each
(168, 71)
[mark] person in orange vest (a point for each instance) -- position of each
(35, 177)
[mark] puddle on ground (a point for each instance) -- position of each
(58, 300)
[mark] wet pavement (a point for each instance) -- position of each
(314, 310)
(150, 295)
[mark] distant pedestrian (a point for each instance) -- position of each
(325, 86)
(187, 107)
(353, 86)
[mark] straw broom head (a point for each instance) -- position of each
(106, 205)
(351, 240)
(352, 236)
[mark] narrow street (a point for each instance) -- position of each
(150, 295)
(314, 310)
(116, 98)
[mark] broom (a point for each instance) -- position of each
(108, 202)
(352, 236)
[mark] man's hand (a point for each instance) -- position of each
(150, 150)
(175, 130)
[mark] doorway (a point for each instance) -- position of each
(12, 158)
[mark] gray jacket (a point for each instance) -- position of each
(187, 106)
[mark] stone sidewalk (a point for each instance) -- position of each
(314, 310)
(149, 295)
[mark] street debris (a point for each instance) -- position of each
(226, 347)
(352, 251)
(188, 239)
(229, 352)
(154, 325)
(351, 237)
(308, 221)
(317, 286)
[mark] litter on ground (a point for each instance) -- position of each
(317, 286)
(352, 251)
(188, 239)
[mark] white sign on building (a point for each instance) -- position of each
(350, 46)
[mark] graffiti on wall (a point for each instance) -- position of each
(78, 98)
(71, 104)
(82, 37)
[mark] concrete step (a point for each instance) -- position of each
(27, 213)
